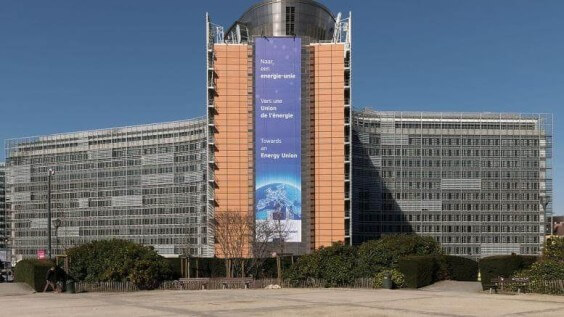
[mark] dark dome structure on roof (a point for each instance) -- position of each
(308, 19)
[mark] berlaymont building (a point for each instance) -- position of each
(280, 142)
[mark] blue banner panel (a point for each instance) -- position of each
(278, 157)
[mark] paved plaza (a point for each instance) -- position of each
(437, 301)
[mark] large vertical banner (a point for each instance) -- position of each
(278, 194)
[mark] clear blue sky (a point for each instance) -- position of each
(74, 65)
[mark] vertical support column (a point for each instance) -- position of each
(348, 133)
(232, 132)
(329, 146)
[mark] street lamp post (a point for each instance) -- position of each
(545, 200)
(51, 172)
(57, 223)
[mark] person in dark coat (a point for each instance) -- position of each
(50, 280)
(60, 278)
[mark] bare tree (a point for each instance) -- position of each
(281, 232)
(262, 236)
(241, 239)
(233, 230)
(269, 238)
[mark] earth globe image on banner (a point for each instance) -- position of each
(278, 201)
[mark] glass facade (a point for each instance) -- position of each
(142, 183)
(474, 182)
(478, 183)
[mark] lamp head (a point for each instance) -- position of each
(544, 200)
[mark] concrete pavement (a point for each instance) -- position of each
(283, 302)
(15, 289)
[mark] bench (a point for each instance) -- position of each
(201, 282)
(245, 282)
(495, 284)
(500, 283)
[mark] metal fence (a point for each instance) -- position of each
(554, 287)
(320, 283)
(220, 283)
(547, 287)
(105, 287)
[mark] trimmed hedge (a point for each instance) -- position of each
(459, 268)
(419, 271)
(32, 272)
(503, 266)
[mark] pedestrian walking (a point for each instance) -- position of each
(50, 280)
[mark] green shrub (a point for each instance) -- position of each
(32, 272)
(335, 265)
(419, 271)
(545, 274)
(503, 266)
(458, 268)
(341, 265)
(147, 274)
(308, 266)
(554, 249)
(118, 260)
(338, 264)
(384, 253)
(398, 279)
(544, 277)
(544, 270)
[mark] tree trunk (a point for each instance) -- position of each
(228, 268)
